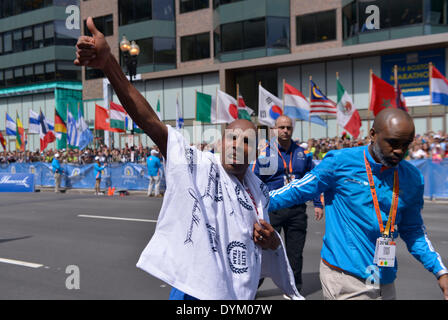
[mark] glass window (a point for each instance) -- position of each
(50, 69)
(28, 38)
(66, 70)
(192, 5)
(146, 55)
(316, 27)
(248, 82)
(437, 14)
(49, 34)
(217, 3)
(232, 36)
(1, 44)
(277, 32)
(28, 70)
(7, 42)
(405, 12)
(254, 33)
(349, 21)
(165, 50)
(38, 36)
(163, 9)
(132, 11)
(94, 74)
(195, 47)
(17, 42)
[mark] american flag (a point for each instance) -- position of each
(320, 104)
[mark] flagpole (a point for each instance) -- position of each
(309, 115)
(195, 105)
(430, 96)
(283, 93)
(370, 100)
(337, 123)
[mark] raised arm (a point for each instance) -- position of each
(94, 52)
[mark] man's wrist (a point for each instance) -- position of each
(441, 273)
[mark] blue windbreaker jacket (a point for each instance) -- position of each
(351, 226)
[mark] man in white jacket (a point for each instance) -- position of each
(211, 240)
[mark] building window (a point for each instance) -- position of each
(248, 81)
(164, 51)
(94, 74)
(66, 70)
(217, 3)
(278, 35)
(132, 11)
(192, 5)
(28, 38)
(316, 27)
(242, 35)
(49, 34)
(254, 33)
(10, 8)
(146, 55)
(38, 36)
(104, 24)
(7, 42)
(17, 41)
(163, 10)
(195, 47)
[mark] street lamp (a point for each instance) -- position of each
(130, 51)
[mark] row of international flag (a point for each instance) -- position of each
(224, 108)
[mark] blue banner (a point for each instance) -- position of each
(130, 176)
(413, 71)
(16, 182)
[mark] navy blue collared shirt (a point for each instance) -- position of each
(275, 165)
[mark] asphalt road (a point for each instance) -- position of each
(47, 239)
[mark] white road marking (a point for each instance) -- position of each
(116, 218)
(21, 263)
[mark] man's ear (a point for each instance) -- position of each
(372, 134)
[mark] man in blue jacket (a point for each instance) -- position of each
(153, 163)
(371, 197)
(97, 170)
(57, 171)
(279, 163)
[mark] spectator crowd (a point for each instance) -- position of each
(427, 146)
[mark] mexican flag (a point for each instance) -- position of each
(244, 112)
(117, 116)
(347, 114)
(221, 110)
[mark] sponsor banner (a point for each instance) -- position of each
(16, 182)
(413, 73)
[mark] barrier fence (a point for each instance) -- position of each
(131, 176)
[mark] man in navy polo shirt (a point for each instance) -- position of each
(279, 163)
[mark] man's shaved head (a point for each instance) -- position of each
(392, 118)
(239, 146)
(392, 132)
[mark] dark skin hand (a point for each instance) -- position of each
(265, 236)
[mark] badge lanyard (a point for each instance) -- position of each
(284, 162)
(390, 226)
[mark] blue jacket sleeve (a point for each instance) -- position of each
(316, 201)
(318, 180)
(412, 230)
